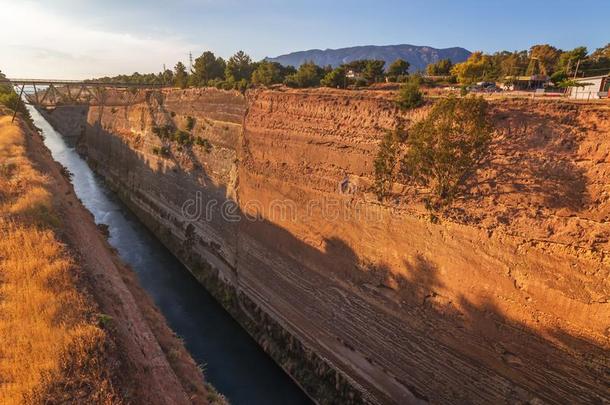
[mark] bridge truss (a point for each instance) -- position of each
(54, 93)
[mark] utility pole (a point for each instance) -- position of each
(577, 66)
(190, 62)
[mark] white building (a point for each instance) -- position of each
(594, 87)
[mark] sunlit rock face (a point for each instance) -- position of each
(268, 201)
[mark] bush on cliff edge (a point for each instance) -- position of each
(440, 152)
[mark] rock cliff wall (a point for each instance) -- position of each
(505, 299)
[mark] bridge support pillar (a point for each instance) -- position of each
(17, 103)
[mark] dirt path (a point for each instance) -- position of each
(138, 328)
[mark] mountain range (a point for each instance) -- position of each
(418, 56)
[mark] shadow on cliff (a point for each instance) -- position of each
(533, 157)
(437, 347)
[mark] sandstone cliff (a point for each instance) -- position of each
(505, 299)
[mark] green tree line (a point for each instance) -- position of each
(542, 59)
(240, 71)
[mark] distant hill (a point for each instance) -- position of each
(418, 56)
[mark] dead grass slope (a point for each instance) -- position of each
(52, 348)
(75, 325)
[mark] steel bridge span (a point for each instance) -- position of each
(52, 93)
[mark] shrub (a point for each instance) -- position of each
(9, 99)
(190, 123)
(409, 95)
(182, 137)
(207, 146)
(446, 147)
(163, 132)
(441, 151)
(387, 160)
(162, 151)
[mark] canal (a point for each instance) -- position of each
(232, 361)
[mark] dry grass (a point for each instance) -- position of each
(52, 348)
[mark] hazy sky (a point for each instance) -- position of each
(87, 38)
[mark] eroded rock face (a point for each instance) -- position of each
(504, 300)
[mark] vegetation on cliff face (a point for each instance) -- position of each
(440, 152)
(386, 160)
(183, 137)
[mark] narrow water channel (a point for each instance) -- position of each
(233, 362)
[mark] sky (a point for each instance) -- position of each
(76, 39)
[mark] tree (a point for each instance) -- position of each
(440, 68)
(180, 75)
(543, 59)
(267, 73)
(568, 60)
(336, 78)
(567, 83)
(357, 66)
(399, 67)
(476, 68)
(558, 77)
(409, 95)
(8, 97)
(373, 70)
(445, 148)
(511, 63)
(308, 75)
(600, 53)
(207, 67)
(598, 62)
(166, 77)
(239, 67)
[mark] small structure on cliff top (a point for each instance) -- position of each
(591, 88)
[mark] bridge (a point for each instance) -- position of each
(53, 93)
